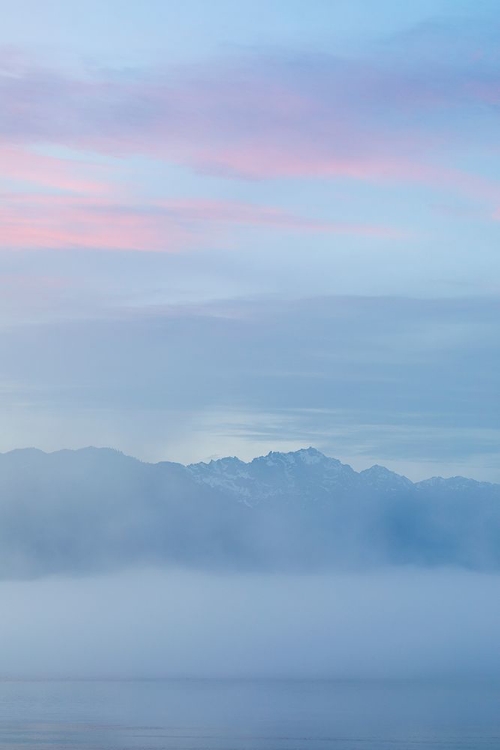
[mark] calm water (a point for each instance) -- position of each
(238, 715)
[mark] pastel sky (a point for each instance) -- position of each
(234, 227)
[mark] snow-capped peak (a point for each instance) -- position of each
(310, 456)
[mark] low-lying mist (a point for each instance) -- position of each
(151, 623)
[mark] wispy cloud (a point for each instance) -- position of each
(396, 117)
(40, 221)
(23, 166)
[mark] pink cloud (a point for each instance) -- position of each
(274, 163)
(266, 118)
(65, 222)
(23, 165)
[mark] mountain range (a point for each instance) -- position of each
(95, 509)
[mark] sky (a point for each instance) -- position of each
(228, 228)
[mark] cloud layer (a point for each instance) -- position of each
(384, 378)
(376, 118)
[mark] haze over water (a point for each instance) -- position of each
(386, 659)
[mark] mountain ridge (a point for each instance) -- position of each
(94, 509)
(310, 450)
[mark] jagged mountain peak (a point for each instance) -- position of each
(305, 473)
(308, 456)
(381, 475)
(452, 484)
(303, 457)
(227, 461)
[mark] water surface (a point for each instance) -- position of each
(249, 714)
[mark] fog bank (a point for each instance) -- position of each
(154, 623)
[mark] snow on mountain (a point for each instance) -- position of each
(381, 478)
(94, 509)
(305, 473)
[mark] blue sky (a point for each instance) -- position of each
(227, 228)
